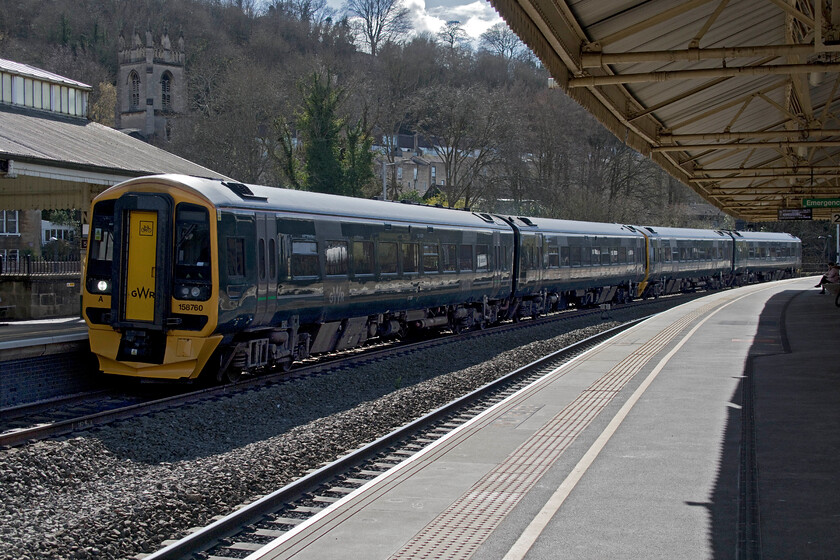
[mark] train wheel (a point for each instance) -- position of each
(232, 375)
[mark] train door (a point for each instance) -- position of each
(266, 268)
(142, 283)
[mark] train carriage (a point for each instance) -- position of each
(682, 259)
(185, 275)
(271, 275)
(761, 256)
(576, 263)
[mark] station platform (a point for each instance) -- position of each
(711, 430)
(17, 334)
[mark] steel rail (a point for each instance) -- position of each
(207, 537)
(347, 358)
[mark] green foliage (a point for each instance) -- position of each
(321, 127)
(333, 156)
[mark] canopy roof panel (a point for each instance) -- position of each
(739, 99)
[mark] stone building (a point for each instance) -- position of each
(150, 85)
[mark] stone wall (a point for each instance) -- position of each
(40, 297)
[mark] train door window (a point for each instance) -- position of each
(304, 258)
(235, 256)
(631, 255)
(564, 255)
(261, 258)
(605, 255)
(575, 255)
(465, 258)
(622, 255)
(387, 257)
(675, 254)
(335, 258)
(482, 258)
(614, 255)
(272, 259)
(449, 257)
(410, 258)
(431, 257)
(362, 257)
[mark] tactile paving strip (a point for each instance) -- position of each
(468, 522)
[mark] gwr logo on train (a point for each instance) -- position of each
(143, 293)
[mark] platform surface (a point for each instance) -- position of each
(16, 334)
(709, 431)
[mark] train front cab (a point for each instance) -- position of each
(148, 295)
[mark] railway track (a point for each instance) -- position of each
(256, 524)
(83, 412)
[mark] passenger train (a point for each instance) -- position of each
(186, 275)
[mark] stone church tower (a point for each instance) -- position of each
(150, 85)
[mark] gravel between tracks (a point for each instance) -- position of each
(121, 490)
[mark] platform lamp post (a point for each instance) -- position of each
(384, 178)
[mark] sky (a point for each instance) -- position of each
(476, 16)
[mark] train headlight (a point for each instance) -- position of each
(184, 291)
(102, 286)
(195, 291)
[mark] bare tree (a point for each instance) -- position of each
(452, 34)
(378, 21)
(465, 127)
(501, 41)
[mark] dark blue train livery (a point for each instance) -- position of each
(185, 275)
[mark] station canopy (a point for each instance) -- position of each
(738, 99)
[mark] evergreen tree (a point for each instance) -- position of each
(321, 127)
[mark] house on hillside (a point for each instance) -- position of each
(415, 167)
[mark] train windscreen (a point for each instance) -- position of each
(101, 248)
(192, 252)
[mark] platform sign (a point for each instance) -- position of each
(796, 214)
(835, 218)
(821, 202)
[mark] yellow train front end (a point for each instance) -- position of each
(150, 294)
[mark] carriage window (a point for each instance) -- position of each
(387, 258)
(465, 258)
(564, 256)
(613, 256)
(622, 255)
(336, 258)
(450, 257)
(430, 257)
(482, 258)
(553, 257)
(235, 256)
(304, 258)
(410, 258)
(574, 255)
(363, 257)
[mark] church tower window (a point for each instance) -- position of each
(134, 92)
(166, 91)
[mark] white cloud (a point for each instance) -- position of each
(476, 17)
